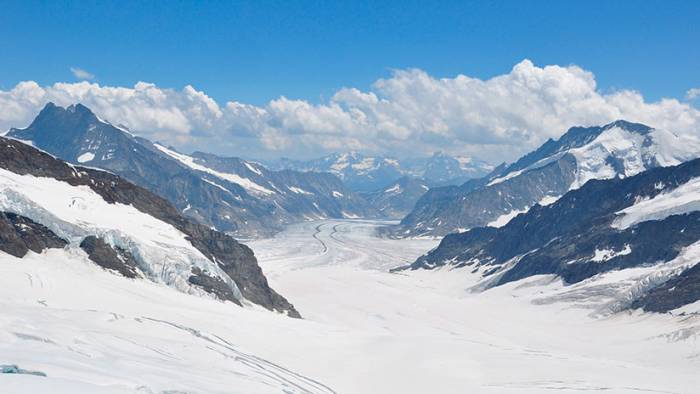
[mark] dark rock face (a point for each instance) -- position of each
(19, 235)
(568, 237)
(237, 260)
(442, 211)
(548, 171)
(70, 133)
(212, 285)
(681, 290)
(239, 263)
(76, 135)
(108, 257)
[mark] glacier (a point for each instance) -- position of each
(365, 329)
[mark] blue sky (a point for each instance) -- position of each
(265, 79)
(257, 51)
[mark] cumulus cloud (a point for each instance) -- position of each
(692, 94)
(165, 114)
(81, 74)
(407, 114)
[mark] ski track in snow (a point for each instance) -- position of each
(427, 323)
(365, 330)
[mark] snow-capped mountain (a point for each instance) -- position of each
(396, 200)
(93, 215)
(233, 195)
(619, 149)
(69, 326)
(441, 169)
(632, 242)
(359, 172)
(374, 173)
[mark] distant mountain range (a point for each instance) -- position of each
(233, 195)
(93, 215)
(619, 149)
(397, 199)
(367, 174)
(649, 222)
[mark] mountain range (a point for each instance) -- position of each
(369, 174)
(232, 195)
(618, 149)
(46, 203)
(633, 242)
(110, 287)
(246, 198)
(398, 198)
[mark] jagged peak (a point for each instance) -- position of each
(575, 137)
(77, 109)
(578, 131)
(73, 120)
(50, 105)
(49, 108)
(629, 126)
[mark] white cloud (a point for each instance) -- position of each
(163, 114)
(81, 74)
(692, 94)
(408, 113)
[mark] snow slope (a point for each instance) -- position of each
(93, 332)
(365, 330)
(245, 183)
(621, 152)
(683, 199)
(228, 193)
(73, 212)
(426, 332)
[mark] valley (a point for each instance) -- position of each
(424, 331)
(349, 197)
(364, 329)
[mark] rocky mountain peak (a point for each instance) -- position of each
(618, 149)
(629, 126)
(73, 115)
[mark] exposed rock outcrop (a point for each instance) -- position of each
(19, 235)
(233, 195)
(109, 257)
(618, 149)
(581, 235)
(235, 259)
